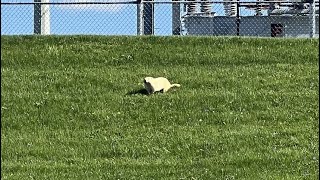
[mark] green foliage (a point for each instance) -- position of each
(73, 107)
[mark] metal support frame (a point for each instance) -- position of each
(139, 17)
(41, 17)
(176, 23)
(145, 17)
(238, 18)
(148, 18)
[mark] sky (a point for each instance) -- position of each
(115, 19)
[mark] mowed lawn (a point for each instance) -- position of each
(73, 107)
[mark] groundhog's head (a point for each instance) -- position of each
(147, 79)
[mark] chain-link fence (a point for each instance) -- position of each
(298, 18)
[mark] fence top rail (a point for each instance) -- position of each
(154, 2)
(67, 3)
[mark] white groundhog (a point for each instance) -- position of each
(153, 85)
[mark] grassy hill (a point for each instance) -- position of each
(73, 107)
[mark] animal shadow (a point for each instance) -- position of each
(139, 91)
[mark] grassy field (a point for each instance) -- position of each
(73, 107)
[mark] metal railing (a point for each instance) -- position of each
(154, 17)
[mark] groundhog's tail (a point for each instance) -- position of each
(175, 85)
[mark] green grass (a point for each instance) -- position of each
(71, 108)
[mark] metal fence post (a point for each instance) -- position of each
(313, 18)
(140, 17)
(41, 17)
